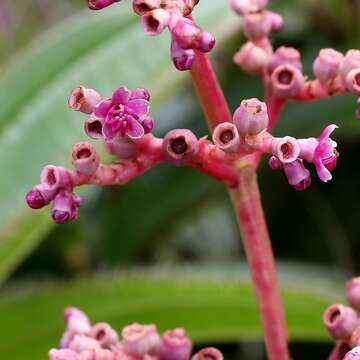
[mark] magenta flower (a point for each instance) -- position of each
(126, 113)
(65, 207)
(100, 4)
(321, 152)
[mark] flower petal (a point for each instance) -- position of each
(121, 95)
(102, 109)
(111, 128)
(140, 107)
(323, 173)
(327, 132)
(134, 129)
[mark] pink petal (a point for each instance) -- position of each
(111, 128)
(121, 95)
(134, 130)
(323, 173)
(102, 109)
(141, 107)
(327, 132)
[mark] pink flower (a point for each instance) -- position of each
(105, 335)
(321, 152)
(353, 292)
(155, 22)
(340, 321)
(84, 100)
(86, 160)
(327, 64)
(251, 117)
(353, 354)
(38, 197)
(287, 81)
(124, 114)
(175, 345)
(285, 56)
(139, 340)
(100, 4)
(298, 176)
(65, 207)
(180, 146)
(210, 353)
(244, 7)
(252, 58)
(226, 137)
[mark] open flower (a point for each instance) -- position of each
(321, 152)
(125, 114)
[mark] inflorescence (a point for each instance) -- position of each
(125, 127)
(343, 323)
(281, 69)
(84, 341)
(157, 15)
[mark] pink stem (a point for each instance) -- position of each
(247, 202)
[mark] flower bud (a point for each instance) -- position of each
(205, 42)
(251, 117)
(286, 149)
(258, 25)
(186, 33)
(65, 207)
(63, 354)
(182, 59)
(154, 22)
(275, 163)
(352, 81)
(340, 321)
(209, 353)
(285, 56)
(94, 128)
(85, 158)
(84, 100)
(297, 175)
(353, 292)
(287, 81)
(139, 340)
(353, 354)
(77, 321)
(327, 64)
(175, 345)
(180, 146)
(226, 137)
(244, 7)
(104, 334)
(252, 59)
(277, 21)
(141, 7)
(39, 197)
(350, 62)
(54, 177)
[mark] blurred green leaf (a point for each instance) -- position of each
(101, 50)
(213, 310)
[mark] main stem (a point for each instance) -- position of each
(251, 219)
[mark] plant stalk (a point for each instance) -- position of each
(250, 216)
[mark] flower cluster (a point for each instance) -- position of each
(157, 15)
(343, 323)
(281, 69)
(84, 341)
(125, 127)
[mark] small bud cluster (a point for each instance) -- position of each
(281, 69)
(84, 341)
(343, 323)
(157, 15)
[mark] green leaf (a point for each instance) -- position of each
(100, 50)
(217, 310)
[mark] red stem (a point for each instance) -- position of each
(247, 202)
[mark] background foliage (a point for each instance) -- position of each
(172, 217)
